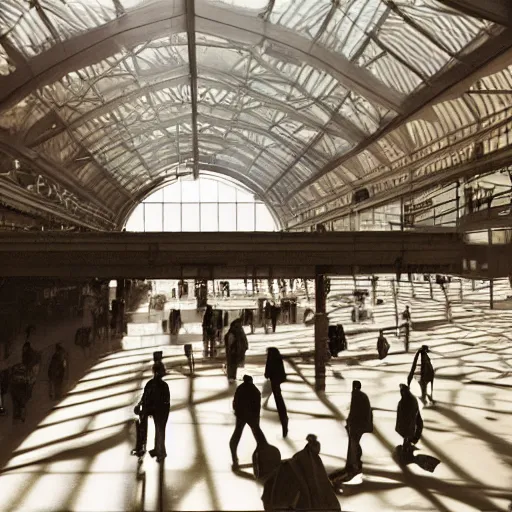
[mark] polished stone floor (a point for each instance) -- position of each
(77, 458)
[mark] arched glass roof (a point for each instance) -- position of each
(300, 100)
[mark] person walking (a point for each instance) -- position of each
(382, 345)
(274, 371)
(208, 333)
(275, 311)
(409, 423)
(21, 390)
(359, 422)
(155, 402)
(56, 372)
(236, 346)
(426, 373)
(247, 407)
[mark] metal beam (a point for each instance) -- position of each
(191, 36)
(497, 11)
(157, 255)
(162, 17)
(496, 160)
(439, 88)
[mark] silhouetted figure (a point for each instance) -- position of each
(208, 333)
(247, 406)
(382, 345)
(155, 402)
(300, 483)
(274, 371)
(56, 372)
(274, 315)
(21, 390)
(426, 373)
(267, 315)
(337, 339)
(4, 388)
(408, 419)
(406, 317)
(359, 422)
(174, 321)
(236, 345)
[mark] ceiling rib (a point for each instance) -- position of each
(497, 11)
(191, 36)
(440, 87)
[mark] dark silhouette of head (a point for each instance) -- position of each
(356, 385)
(404, 390)
(273, 353)
(313, 443)
(247, 379)
(159, 369)
(424, 348)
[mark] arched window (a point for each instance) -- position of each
(205, 204)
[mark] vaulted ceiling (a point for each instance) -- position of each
(302, 101)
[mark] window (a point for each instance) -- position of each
(206, 204)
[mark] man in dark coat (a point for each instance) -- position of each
(426, 373)
(274, 371)
(155, 402)
(359, 422)
(56, 372)
(247, 406)
(408, 420)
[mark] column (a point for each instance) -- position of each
(321, 331)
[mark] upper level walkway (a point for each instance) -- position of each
(227, 255)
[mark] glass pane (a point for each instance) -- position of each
(136, 221)
(264, 221)
(156, 197)
(172, 193)
(208, 189)
(172, 217)
(153, 217)
(190, 191)
(245, 218)
(227, 193)
(227, 217)
(209, 217)
(190, 217)
(244, 197)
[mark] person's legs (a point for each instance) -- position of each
(160, 424)
(258, 434)
(423, 386)
(281, 407)
(235, 439)
(274, 323)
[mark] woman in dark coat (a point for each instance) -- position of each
(274, 371)
(408, 419)
(300, 483)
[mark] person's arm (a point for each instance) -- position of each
(413, 368)
(167, 395)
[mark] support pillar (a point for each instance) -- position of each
(321, 330)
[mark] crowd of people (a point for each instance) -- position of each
(19, 379)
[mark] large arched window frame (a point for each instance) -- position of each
(207, 204)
